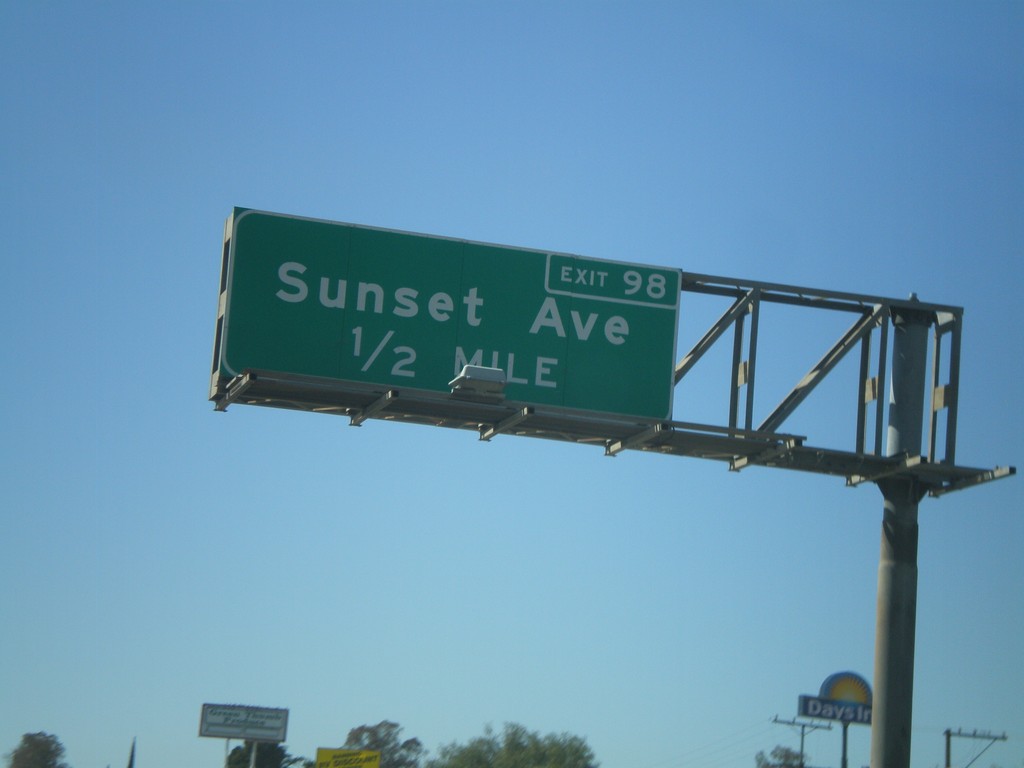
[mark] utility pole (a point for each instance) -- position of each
(804, 727)
(972, 735)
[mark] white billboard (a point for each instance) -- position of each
(233, 721)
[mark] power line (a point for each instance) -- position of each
(975, 734)
(804, 727)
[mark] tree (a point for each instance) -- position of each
(267, 756)
(386, 737)
(37, 750)
(516, 747)
(782, 757)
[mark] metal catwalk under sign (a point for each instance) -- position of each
(738, 448)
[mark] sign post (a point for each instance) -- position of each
(374, 323)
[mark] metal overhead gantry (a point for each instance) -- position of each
(896, 341)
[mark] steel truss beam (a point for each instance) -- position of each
(872, 316)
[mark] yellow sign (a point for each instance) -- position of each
(346, 758)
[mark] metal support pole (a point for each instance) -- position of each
(897, 568)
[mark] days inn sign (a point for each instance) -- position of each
(844, 696)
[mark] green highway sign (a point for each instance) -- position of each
(402, 310)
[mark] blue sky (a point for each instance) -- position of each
(157, 555)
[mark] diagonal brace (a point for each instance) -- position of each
(814, 377)
(739, 308)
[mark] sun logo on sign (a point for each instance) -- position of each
(846, 686)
